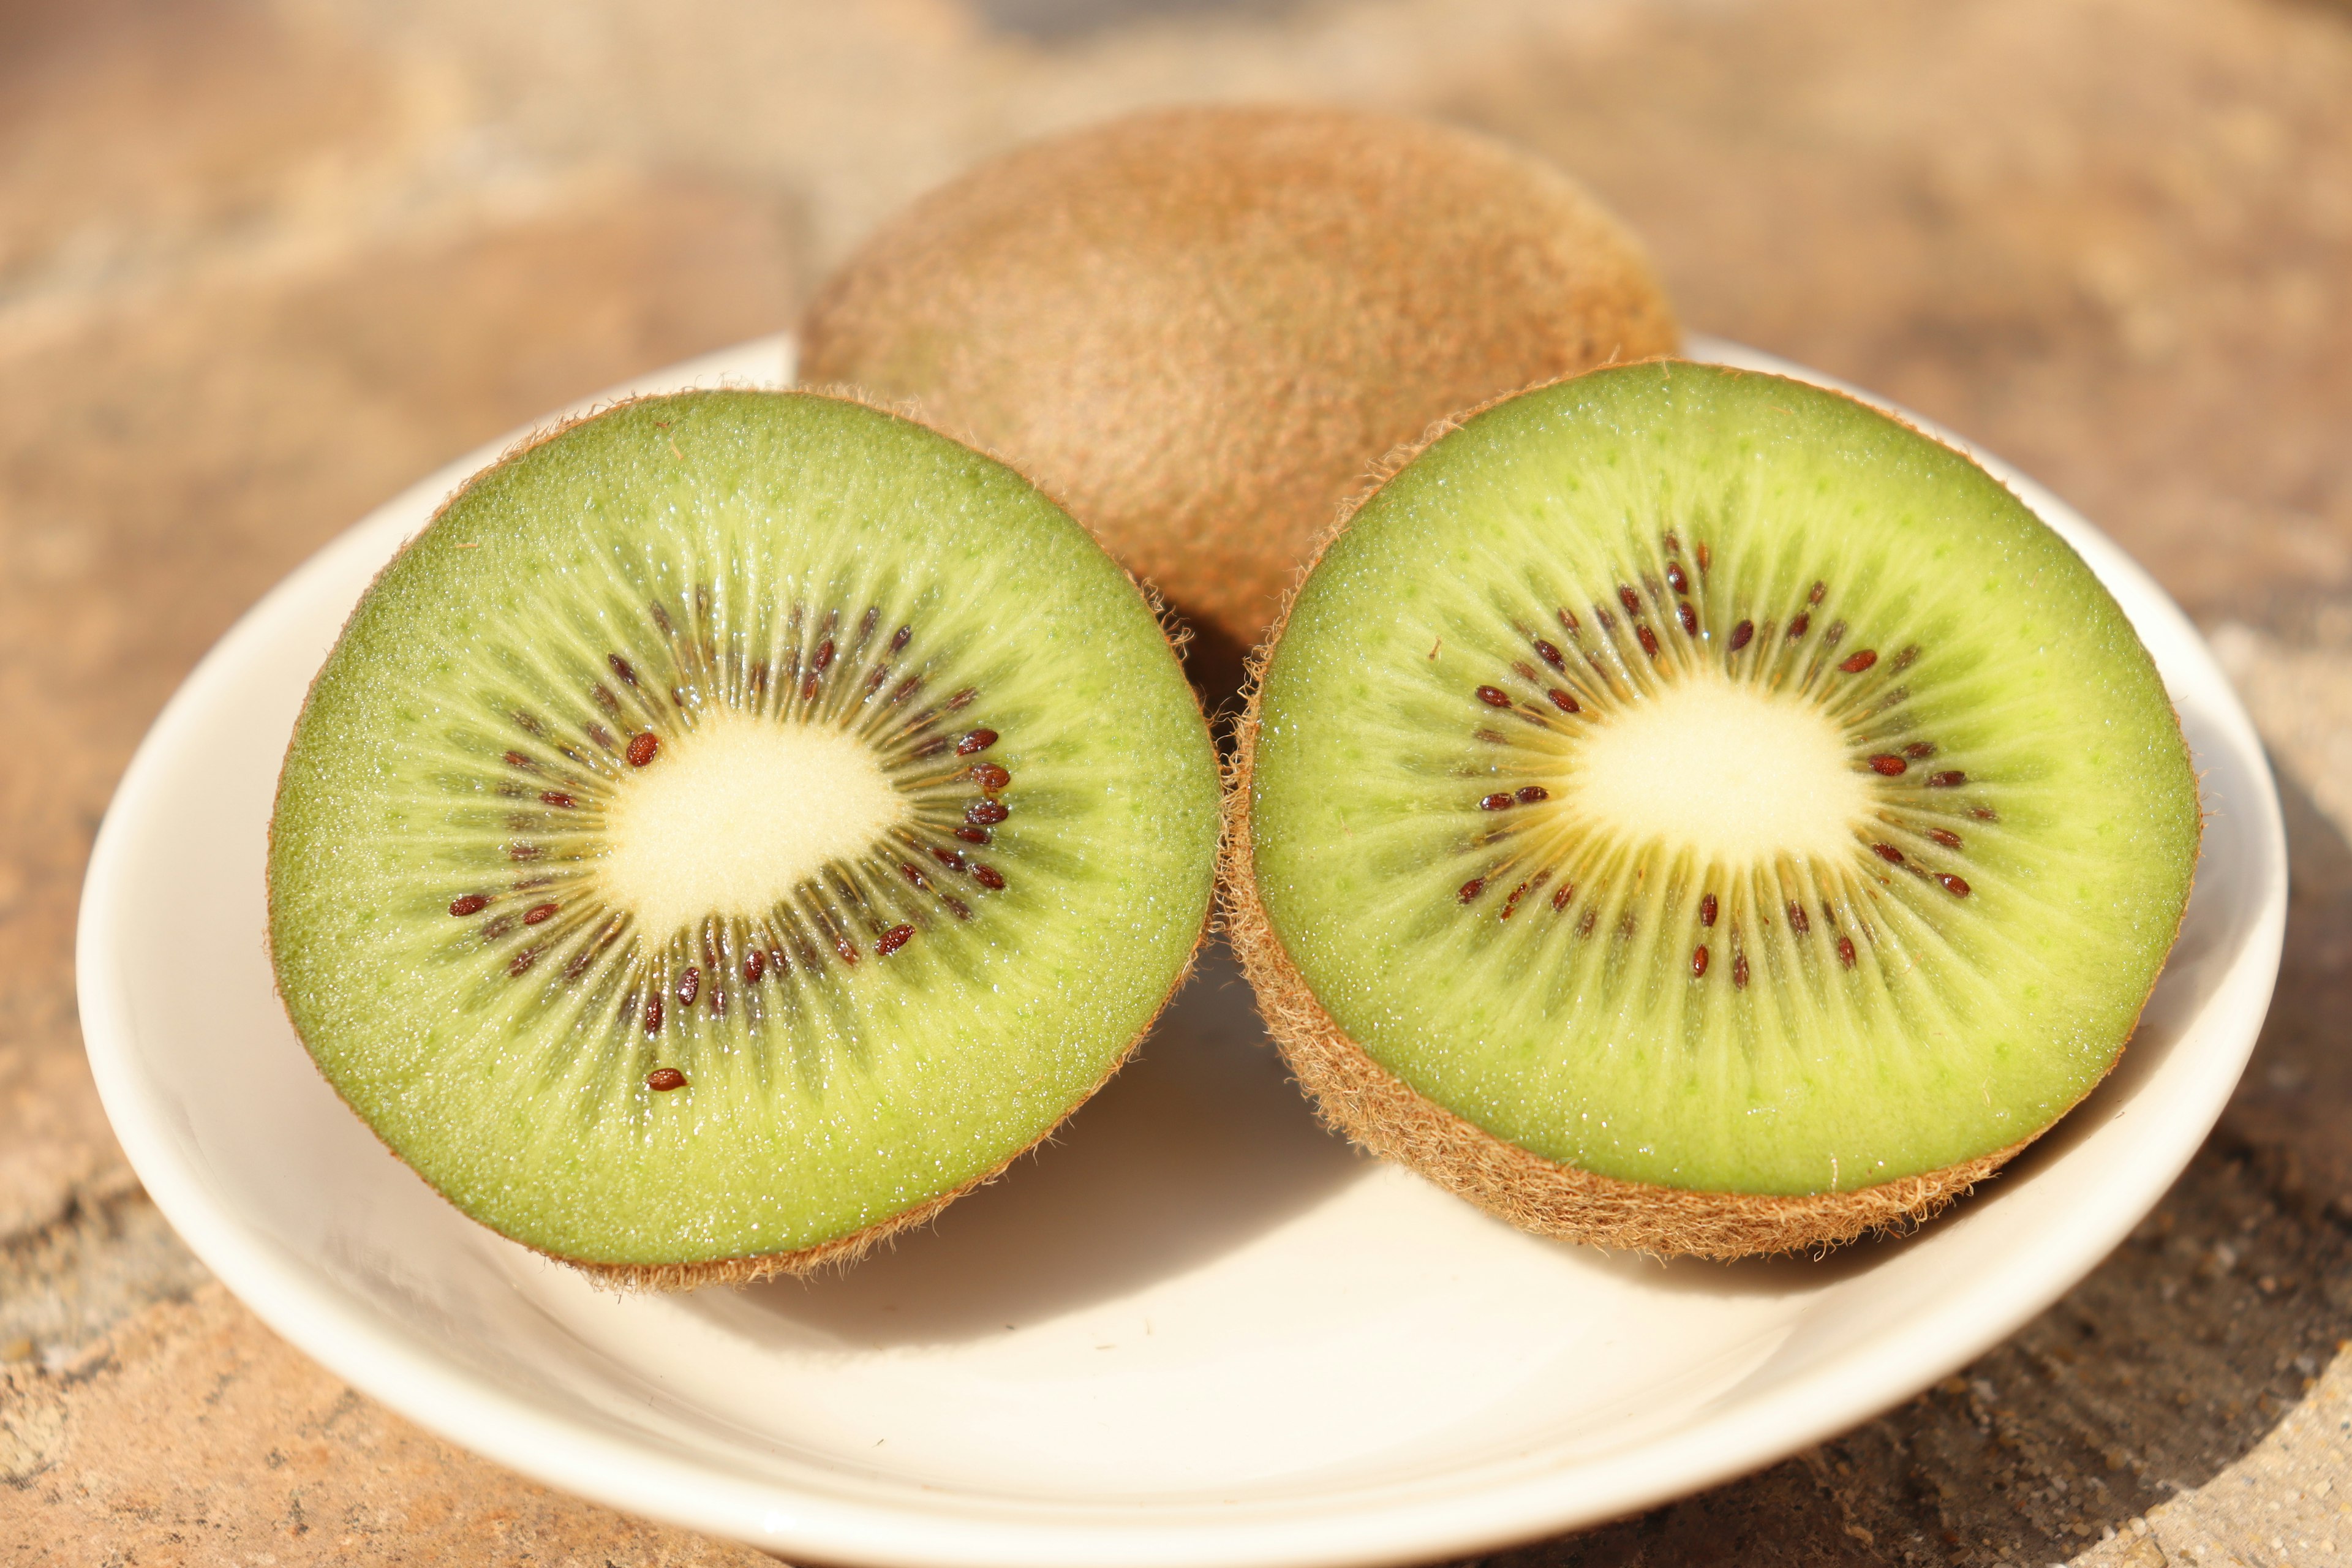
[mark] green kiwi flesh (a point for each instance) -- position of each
(1689, 809)
(739, 823)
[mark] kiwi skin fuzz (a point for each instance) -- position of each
(1365, 1103)
(841, 1251)
(1198, 327)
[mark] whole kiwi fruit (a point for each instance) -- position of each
(1198, 328)
(739, 823)
(1689, 810)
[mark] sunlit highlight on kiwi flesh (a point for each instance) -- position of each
(729, 815)
(1734, 774)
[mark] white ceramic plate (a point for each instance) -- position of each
(1196, 1330)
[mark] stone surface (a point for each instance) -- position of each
(2153, 1390)
(165, 456)
(263, 261)
(2283, 1503)
(2108, 239)
(192, 1435)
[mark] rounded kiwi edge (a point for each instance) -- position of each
(1197, 326)
(836, 1250)
(842, 1251)
(1372, 1106)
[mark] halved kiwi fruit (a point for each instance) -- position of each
(1691, 811)
(1200, 327)
(738, 824)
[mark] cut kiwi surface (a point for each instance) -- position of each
(739, 823)
(1687, 809)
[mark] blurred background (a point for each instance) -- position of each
(263, 262)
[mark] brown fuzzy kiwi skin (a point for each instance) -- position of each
(1372, 1107)
(1196, 327)
(841, 1251)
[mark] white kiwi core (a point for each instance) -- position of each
(1735, 775)
(728, 817)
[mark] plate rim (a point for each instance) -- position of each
(355, 1339)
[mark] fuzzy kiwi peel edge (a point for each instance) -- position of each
(1363, 1101)
(841, 1250)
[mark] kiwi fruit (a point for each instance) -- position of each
(1200, 327)
(738, 823)
(1690, 811)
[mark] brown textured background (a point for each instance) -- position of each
(261, 263)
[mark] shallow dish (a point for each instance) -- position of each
(1197, 1330)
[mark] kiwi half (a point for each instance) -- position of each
(1199, 327)
(738, 824)
(1688, 810)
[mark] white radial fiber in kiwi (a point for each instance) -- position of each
(1702, 780)
(912, 740)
